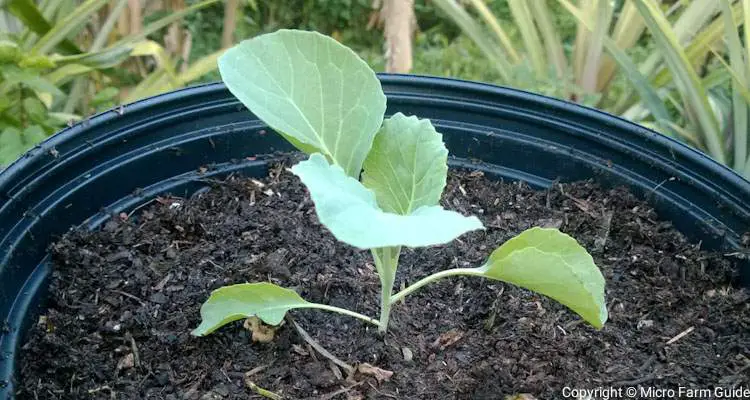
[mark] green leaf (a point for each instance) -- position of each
(350, 212)
(106, 58)
(16, 76)
(9, 52)
(407, 166)
(263, 300)
(32, 18)
(311, 89)
(105, 95)
(11, 145)
(33, 135)
(552, 263)
(685, 78)
(62, 75)
(35, 109)
(231, 303)
(61, 30)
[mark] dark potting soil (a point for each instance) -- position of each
(124, 300)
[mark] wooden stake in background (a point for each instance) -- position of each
(400, 23)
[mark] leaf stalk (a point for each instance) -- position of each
(434, 277)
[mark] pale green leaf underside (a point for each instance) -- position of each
(231, 303)
(407, 166)
(311, 89)
(552, 263)
(350, 212)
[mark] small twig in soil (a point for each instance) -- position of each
(320, 349)
(381, 393)
(255, 370)
(99, 389)
(133, 211)
(331, 395)
(601, 240)
(143, 303)
(263, 392)
(681, 335)
(134, 349)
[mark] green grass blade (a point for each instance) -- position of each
(594, 50)
(686, 79)
(60, 31)
(474, 31)
(529, 35)
(552, 41)
(628, 29)
(101, 37)
(32, 18)
(739, 106)
(701, 44)
(583, 35)
(648, 95)
(199, 68)
(498, 30)
(746, 22)
(690, 22)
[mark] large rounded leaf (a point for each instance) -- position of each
(311, 89)
(552, 263)
(350, 211)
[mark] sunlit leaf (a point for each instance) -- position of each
(552, 263)
(310, 88)
(351, 213)
(407, 166)
(231, 303)
(263, 300)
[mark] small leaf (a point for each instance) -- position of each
(311, 89)
(407, 165)
(350, 212)
(11, 146)
(105, 95)
(33, 135)
(231, 303)
(552, 263)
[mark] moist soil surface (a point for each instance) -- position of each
(124, 300)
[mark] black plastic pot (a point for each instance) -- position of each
(122, 158)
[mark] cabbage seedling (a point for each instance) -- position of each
(375, 183)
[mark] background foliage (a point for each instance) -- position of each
(678, 66)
